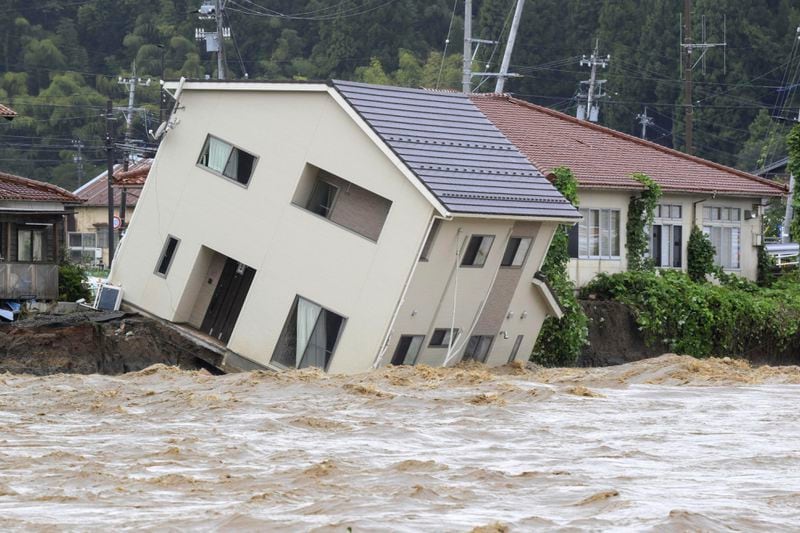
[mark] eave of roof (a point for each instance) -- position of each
(17, 188)
(94, 192)
(615, 180)
(7, 112)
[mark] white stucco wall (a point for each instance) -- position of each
(293, 251)
(438, 284)
(584, 270)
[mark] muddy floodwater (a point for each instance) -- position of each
(670, 444)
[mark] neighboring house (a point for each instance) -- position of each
(726, 203)
(88, 235)
(341, 226)
(32, 223)
(7, 113)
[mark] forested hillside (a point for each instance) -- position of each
(60, 59)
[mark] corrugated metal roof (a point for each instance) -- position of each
(455, 151)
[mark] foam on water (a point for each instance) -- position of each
(624, 448)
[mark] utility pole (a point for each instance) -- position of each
(512, 37)
(131, 83)
(595, 85)
(687, 76)
(645, 121)
(220, 39)
(466, 79)
(787, 218)
(689, 63)
(470, 53)
(215, 40)
(110, 170)
(78, 159)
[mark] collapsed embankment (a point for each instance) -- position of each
(91, 342)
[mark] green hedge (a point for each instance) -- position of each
(735, 318)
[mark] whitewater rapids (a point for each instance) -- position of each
(667, 444)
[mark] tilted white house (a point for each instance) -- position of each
(342, 226)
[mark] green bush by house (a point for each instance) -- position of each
(734, 318)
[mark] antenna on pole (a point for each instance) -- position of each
(645, 121)
(591, 110)
(512, 37)
(215, 40)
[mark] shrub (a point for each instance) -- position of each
(700, 256)
(640, 214)
(560, 340)
(703, 319)
(72, 283)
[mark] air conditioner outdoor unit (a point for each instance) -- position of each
(108, 298)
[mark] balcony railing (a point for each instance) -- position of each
(29, 280)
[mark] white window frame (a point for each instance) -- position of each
(665, 216)
(232, 146)
(584, 234)
(726, 219)
(96, 251)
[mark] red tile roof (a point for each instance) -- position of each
(603, 158)
(27, 190)
(135, 176)
(95, 192)
(7, 112)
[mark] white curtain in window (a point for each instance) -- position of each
(218, 154)
(38, 246)
(605, 233)
(614, 233)
(522, 251)
(231, 169)
(307, 315)
(413, 350)
(734, 248)
(24, 245)
(483, 250)
(583, 234)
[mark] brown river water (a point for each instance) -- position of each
(668, 444)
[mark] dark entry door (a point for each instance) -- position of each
(225, 305)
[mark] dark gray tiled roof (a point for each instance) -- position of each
(456, 151)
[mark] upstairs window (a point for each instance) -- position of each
(322, 198)
(165, 259)
(516, 250)
(426, 249)
(342, 202)
(227, 160)
(477, 250)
